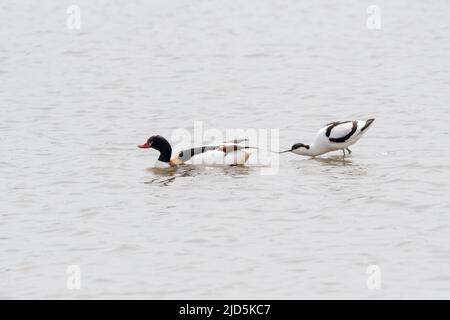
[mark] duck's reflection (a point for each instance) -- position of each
(164, 177)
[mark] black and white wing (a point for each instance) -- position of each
(236, 141)
(340, 132)
(186, 155)
(226, 147)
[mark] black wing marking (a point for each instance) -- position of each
(332, 125)
(236, 141)
(226, 147)
(187, 154)
(343, 138)
(232, 147)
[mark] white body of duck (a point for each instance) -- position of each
(227, 153)
(334, 136)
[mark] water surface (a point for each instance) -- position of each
(75, 190)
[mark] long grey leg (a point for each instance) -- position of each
(343, 150)
(349, 151)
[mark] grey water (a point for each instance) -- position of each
(75, 190)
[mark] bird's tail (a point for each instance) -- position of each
(367, 125)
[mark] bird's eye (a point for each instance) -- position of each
(180, 155)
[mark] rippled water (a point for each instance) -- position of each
(75, 190)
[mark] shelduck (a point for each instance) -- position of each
(227, 153)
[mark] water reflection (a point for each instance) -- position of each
(164, 177)
(338, 167)
(334, 160)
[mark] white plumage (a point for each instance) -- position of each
(226, 153)
(333, 136)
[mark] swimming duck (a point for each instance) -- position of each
(333, 136)
(230, 153)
